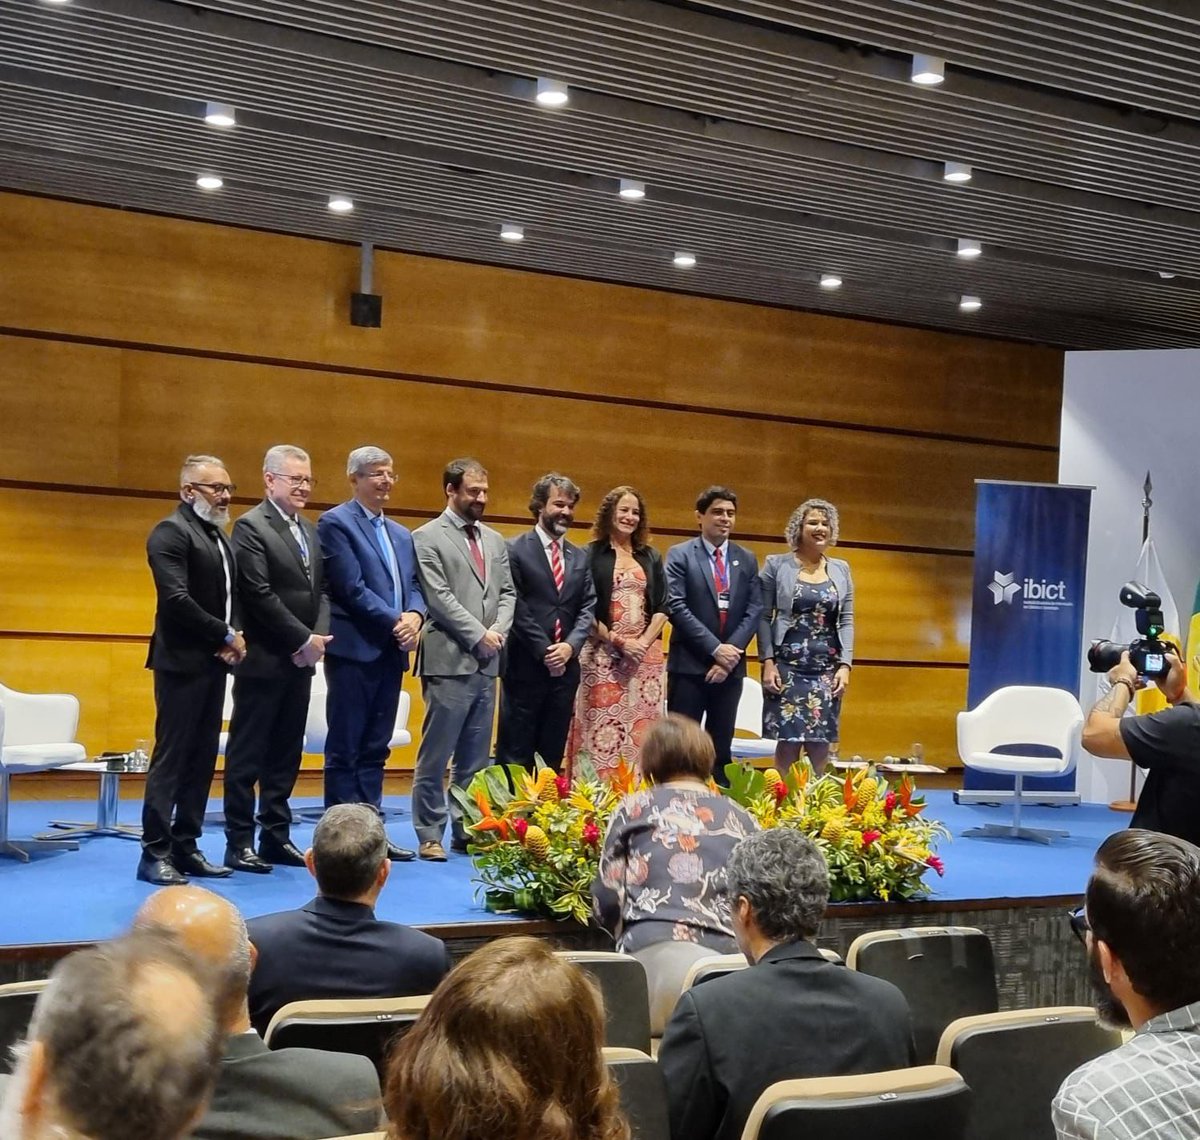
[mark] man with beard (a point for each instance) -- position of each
(193, 645)
(555, 607)
(470, 598)
(1141, 926)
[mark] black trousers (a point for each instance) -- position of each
(266, 740)
(187, 730)
(690, 695)
(535, 717)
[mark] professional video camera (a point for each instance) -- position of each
(1147, 653)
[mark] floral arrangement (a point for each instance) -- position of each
(873, 835)
(536, 837)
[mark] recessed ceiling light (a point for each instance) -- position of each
(632, 190)
(830, 281)
(510, 232)
(552, 93)
(56, 1)
(1165, 275)
(341, 203)
(928, 70)
(956, 172)
(684, 259)
(969, 304)
(969, 248)
(220, 114)
(210, 182)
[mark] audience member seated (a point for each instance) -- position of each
(1143, 944)
(790, 1015)
(124, 1044)
(661, 887)
(509, 1048)
(334, 946)
(289, 1094)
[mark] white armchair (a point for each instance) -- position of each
(749, 719)
(316, 728)
(37, 733)
(1015, 716)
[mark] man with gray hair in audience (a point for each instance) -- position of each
(124, 1043)
(260, 1094)
(377, 609)
(790, 1015)
(334, 946)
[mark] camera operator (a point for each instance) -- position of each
(1165, 743)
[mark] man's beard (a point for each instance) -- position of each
(1111, 1011)
(214, 516)
(557, 527)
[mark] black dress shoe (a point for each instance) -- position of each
(285, 854)
(244, 859)
(400, 854)
(459, 845)
(160, 872)
(194, 865)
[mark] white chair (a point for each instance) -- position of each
(316, 728)
(37, 733)
(1015, 716)
(226, 716)
(749, 719)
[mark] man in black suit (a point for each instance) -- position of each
(193, 645)
(334, 946)
(790, 1015)
(556, 605)
(286, 618)
(715, 602)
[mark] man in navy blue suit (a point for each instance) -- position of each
(715, 603)
(376, 612)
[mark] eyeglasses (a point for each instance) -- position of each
(217, 488)
(1079, 924)
(294, 480)
(380, 476)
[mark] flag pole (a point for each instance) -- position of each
(1130, 804)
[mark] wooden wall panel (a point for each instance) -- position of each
(887, 710)
(92, 272)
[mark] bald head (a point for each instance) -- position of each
(212, 928)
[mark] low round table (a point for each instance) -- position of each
(107, 801)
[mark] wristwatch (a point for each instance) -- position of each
(230, 635)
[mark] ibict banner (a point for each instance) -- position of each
(1027, 606)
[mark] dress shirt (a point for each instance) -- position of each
(393, 568)
(294, 526)
(548, 540)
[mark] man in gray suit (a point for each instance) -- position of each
(470, 600)
(317, 1093)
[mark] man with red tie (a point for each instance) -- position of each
(715, 602)
(556, 605)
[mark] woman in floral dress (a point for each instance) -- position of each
(806, 639)
(621, 666)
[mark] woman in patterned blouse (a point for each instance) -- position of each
(661, 887)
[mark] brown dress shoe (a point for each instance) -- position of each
(432, 850)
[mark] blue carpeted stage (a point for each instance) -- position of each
(90, 894)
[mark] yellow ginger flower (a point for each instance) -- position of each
(771, 778)
(537, 842)
(866, 792)
(547, 790)
(834, 830)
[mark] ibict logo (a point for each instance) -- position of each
(1003, 588)
(1035, 593)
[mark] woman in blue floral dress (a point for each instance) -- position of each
(806, 638)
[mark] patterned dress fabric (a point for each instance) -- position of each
(617, 701)
(662, 871)
(807, 659)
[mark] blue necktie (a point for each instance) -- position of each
(389, 556)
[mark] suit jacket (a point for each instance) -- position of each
(335, 949)
(282, 606)
(539, 604)
(778, 579)
(692, 602)
(602, 558)
(289, 1094)
(462, 607)
(792, 1015)
(189, 623)
(362, 613)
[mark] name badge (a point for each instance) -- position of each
(723, 600)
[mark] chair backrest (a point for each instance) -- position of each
(1022, 714)
(716, 966)
(38, 718)
(369, 1027)
(945, 972)
(316, 725)
(626, 994)
(360, 1136)
(17, 1000)
(643, 1093)
(400, 734)
(1015, 1062)
(750, 707)
(925, 1103)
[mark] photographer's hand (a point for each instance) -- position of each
(1174, 685)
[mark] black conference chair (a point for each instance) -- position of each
(626, 994)
(1015, 1062)
(369, 1027)
(925, 1103)
(945, 972)
(643, 1093)
(17, 1000)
